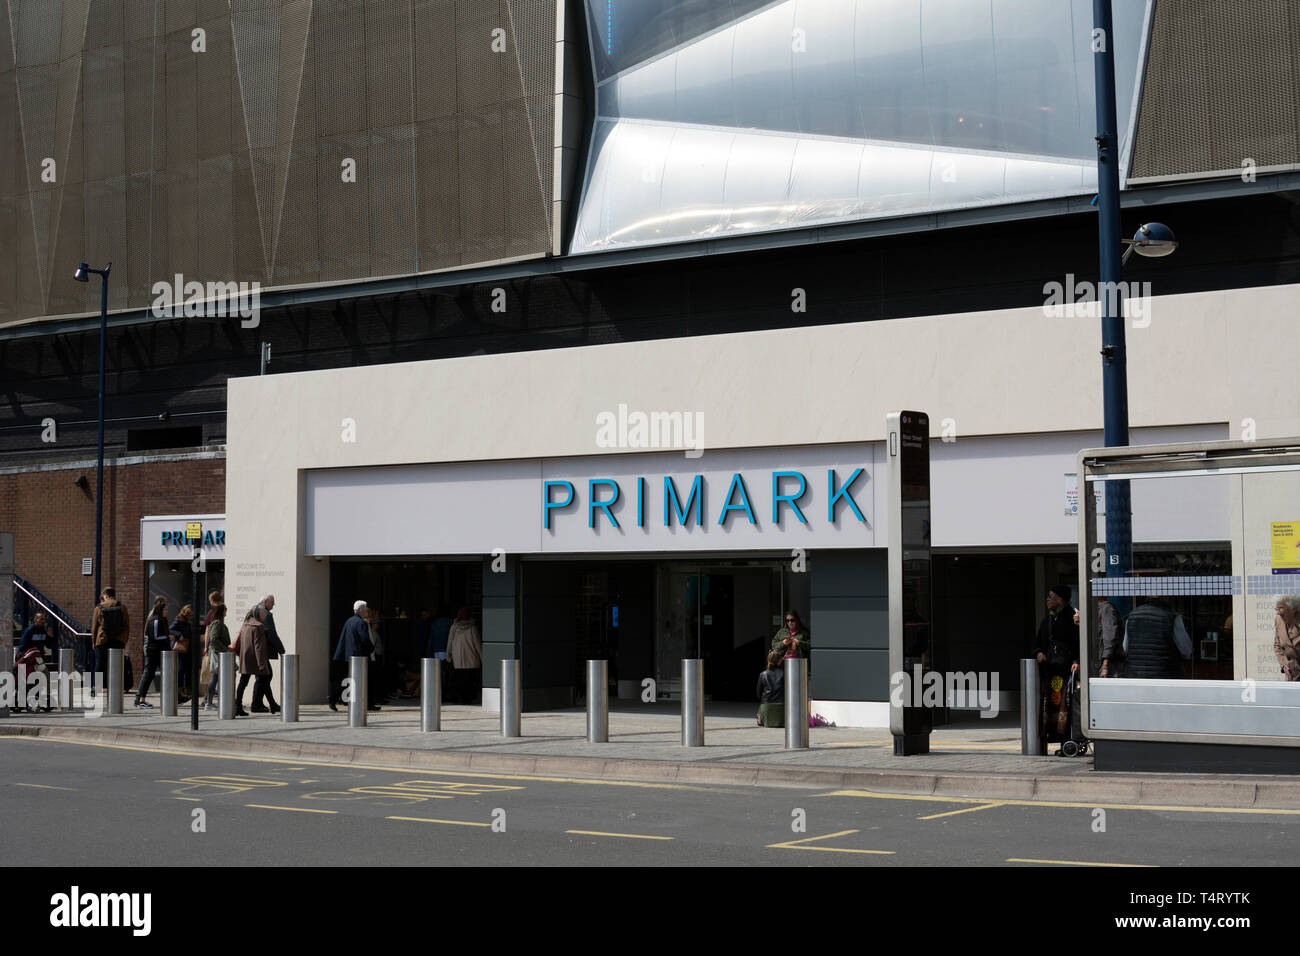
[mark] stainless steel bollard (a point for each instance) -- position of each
(7, 667)
(1030, 691)
(289, 688)
(692, 703)
(168, 694)
(115, 680)
(358, 671)
(226, 686)
(430, 694)
(598, 702)
(511, 699)
(796, 703)
(67, 664)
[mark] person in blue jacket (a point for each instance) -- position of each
(354, 641)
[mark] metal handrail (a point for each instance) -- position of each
(72, 628)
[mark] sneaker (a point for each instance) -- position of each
(143, 705)
(258, 710)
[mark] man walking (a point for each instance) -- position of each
(1156, 641)
(274, 650)
(354, 641)
(108, 629)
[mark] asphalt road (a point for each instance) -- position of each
(165, 809)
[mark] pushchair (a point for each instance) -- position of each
(1060, 719)
(31, 662)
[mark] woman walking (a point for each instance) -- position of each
(182, 636)
(251, 650)
(465, 651)
(218, 644)
(155, 642)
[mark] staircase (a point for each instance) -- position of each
(28, 599)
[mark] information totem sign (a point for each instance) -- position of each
(911, 653)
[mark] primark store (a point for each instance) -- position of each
(586, 316)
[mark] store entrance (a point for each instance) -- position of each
(724, 614)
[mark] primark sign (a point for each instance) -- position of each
(757, 499)
(162, 537)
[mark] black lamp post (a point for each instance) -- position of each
(83, 275)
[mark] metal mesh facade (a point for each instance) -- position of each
(121, 140)
(1222, 86)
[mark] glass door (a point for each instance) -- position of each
(678, 633)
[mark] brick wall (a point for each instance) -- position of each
(53, 524)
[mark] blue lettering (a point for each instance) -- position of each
(842, 493)
(548, 504)
(791, 500)
(640, 502)
(673, 502)
(221, 539)
(593, 504)
(737, 482)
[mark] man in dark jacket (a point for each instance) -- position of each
(354, 641)
(274, 649)
(1156, 641)
(109, 627)
(1057, 642)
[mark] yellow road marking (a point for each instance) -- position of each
(44, 786)
(265, 806)
(191, 799)
(359, 766)
(798, 845)
(1081, 863)
(873, 795)
(458, 823)
(629, 836)
(949, 813)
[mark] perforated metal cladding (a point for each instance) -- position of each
(1221, 87)
(228, 163)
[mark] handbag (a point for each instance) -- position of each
(205, 672)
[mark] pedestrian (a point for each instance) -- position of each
(439, 632)
(792, 640)
(771, 691)
(39, 635)
(465, 651)
(215, 600)
(1056, 648)
(157, 638)
(250, 649)
(274, 650)
(1286, 634)
(1109, 637)
(1155, 641)
(108, 629)
(354, 641)
(378, 657)
(218, 643)
(182, 637)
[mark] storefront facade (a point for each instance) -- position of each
(592, 540)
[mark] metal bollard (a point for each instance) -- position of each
(226, 686)
(511, 699)
(796, 703)
(1029, 704)
(358, 671)
(598, 702)
(289, 688)
(6, 667)
(692, 703)
(115, 680)
(168, 693)
(430, 694)
(67, 664)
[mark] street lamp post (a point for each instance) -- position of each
(83, 275)
(1152, 239)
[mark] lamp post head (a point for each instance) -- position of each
(1154, 240)
(83, 273)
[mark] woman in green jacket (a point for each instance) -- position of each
(218, 643)
(792, 640)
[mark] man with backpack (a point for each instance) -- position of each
(108, 629)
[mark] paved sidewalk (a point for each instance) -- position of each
(966, 760)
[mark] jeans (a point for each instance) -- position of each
(261, 691)
(152, 664)
(101, 660)
(214, 665)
